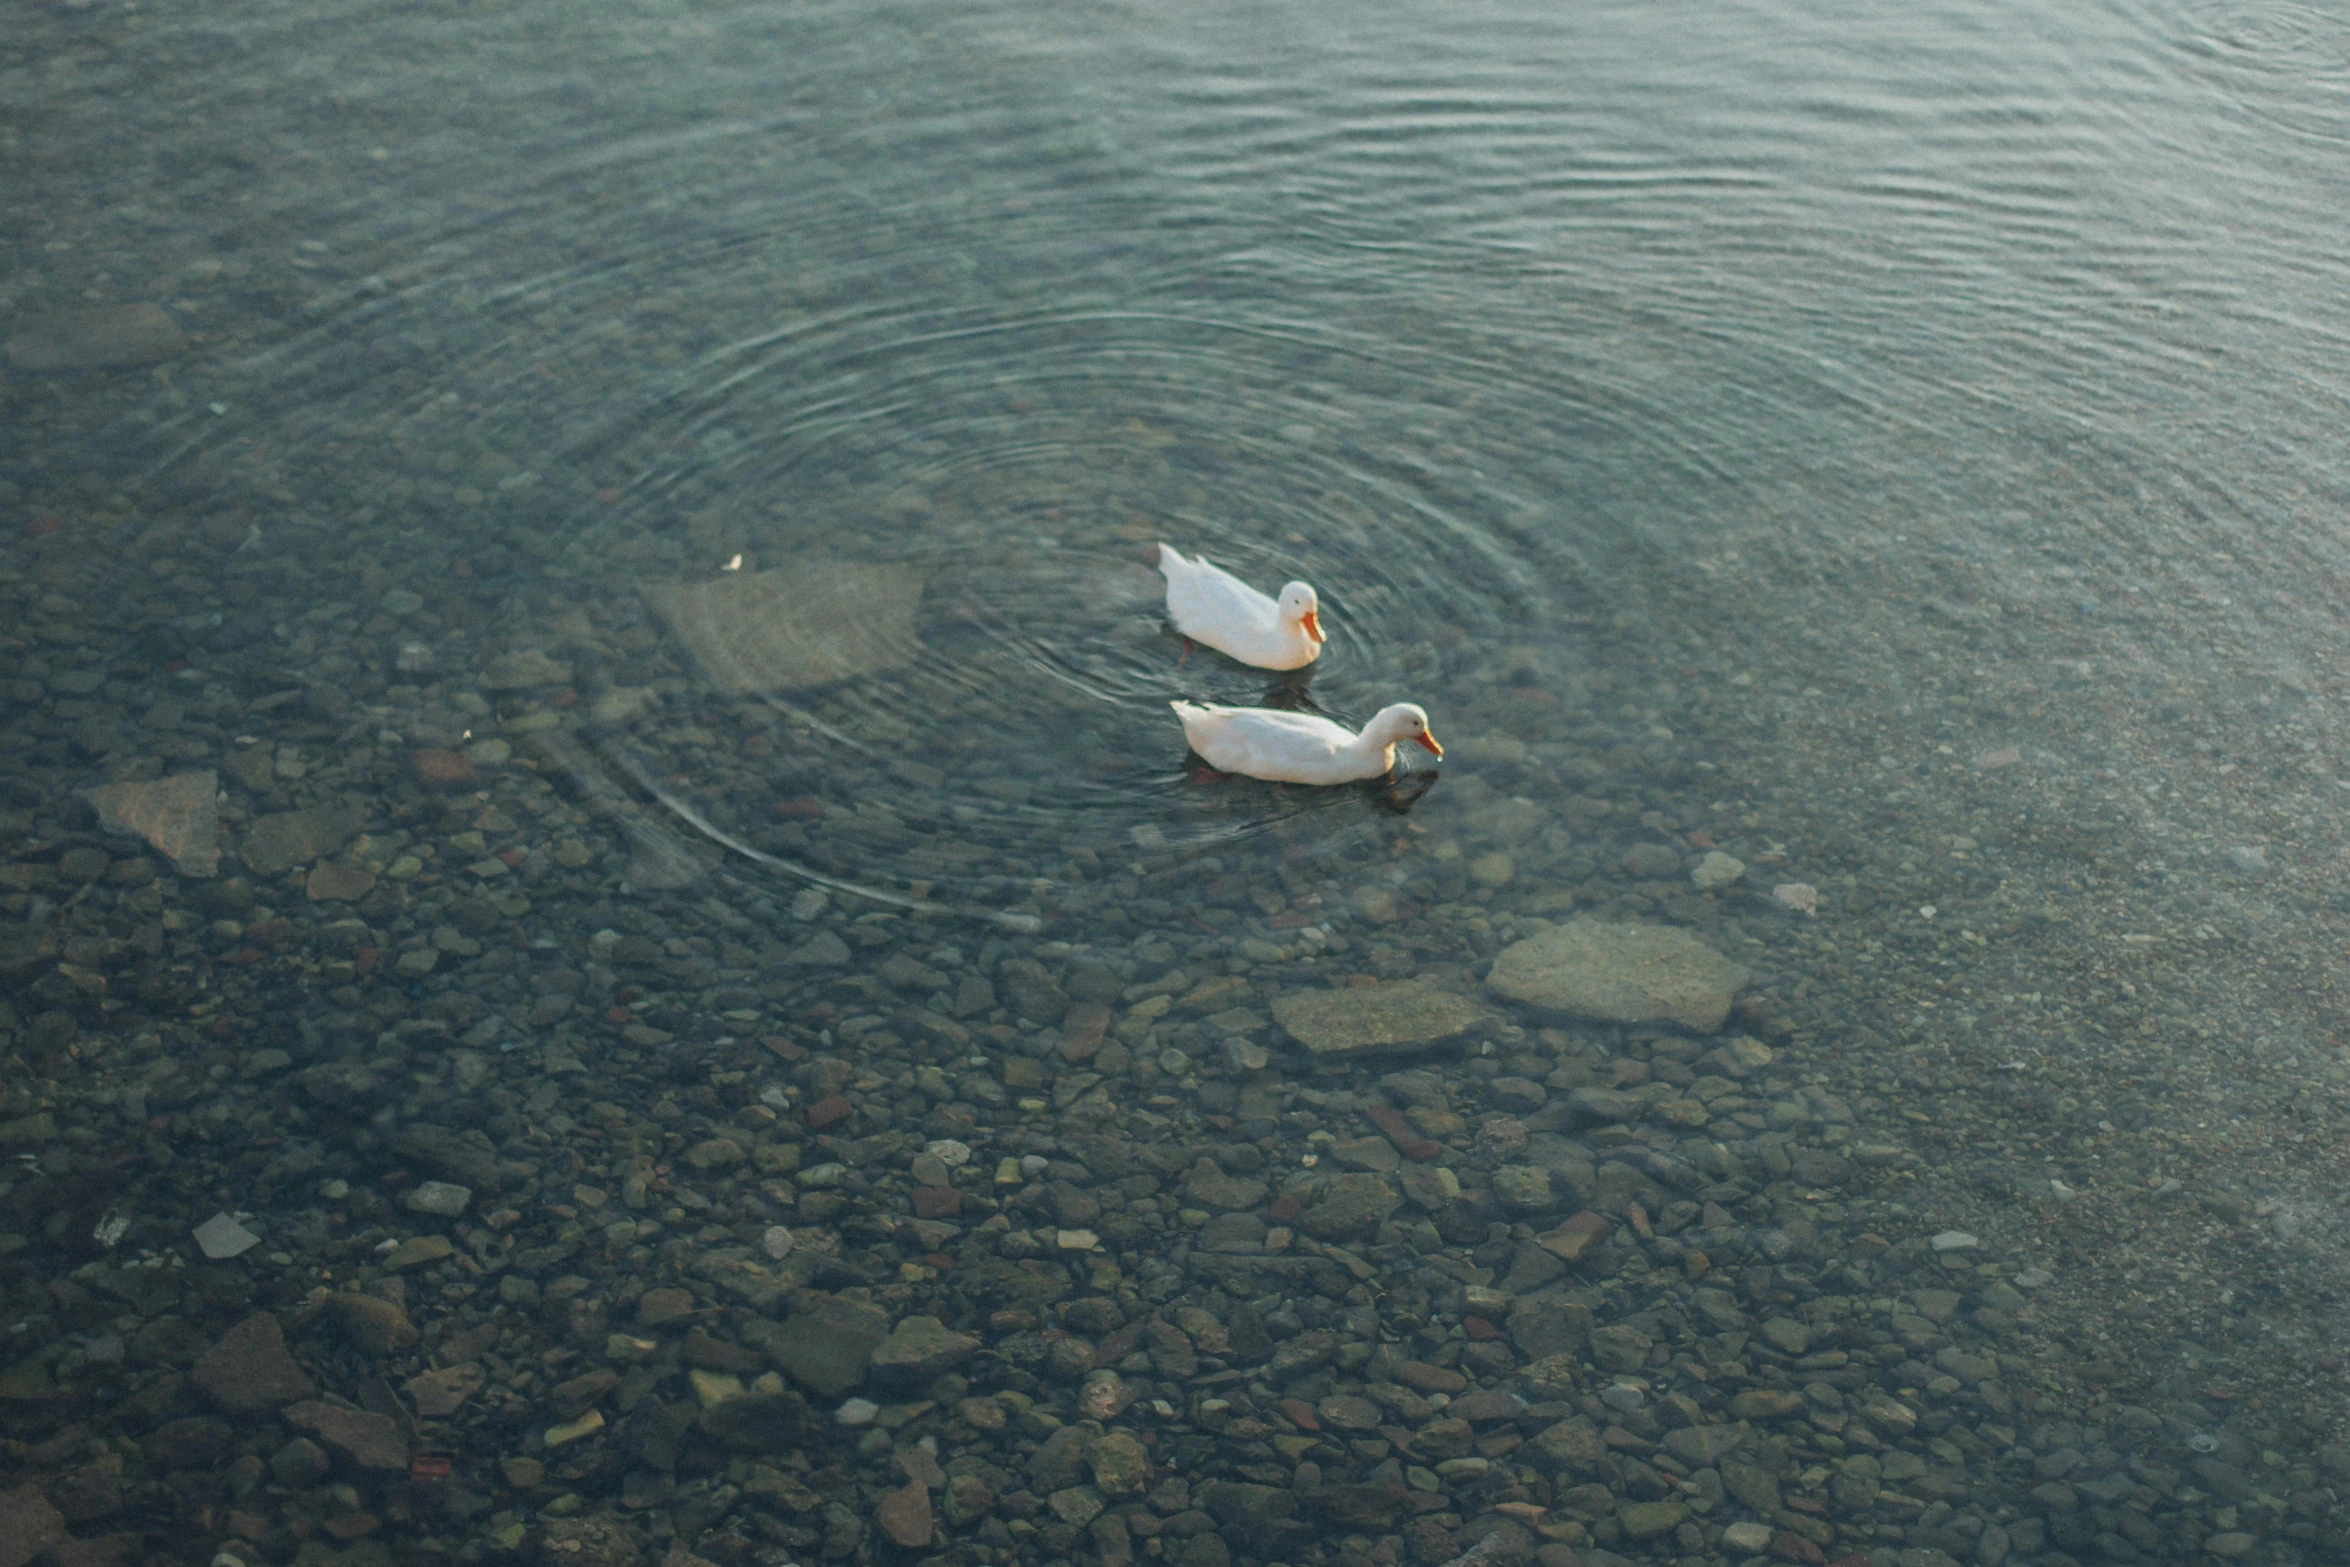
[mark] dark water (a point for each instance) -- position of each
(1776, 409)
(1489, 331)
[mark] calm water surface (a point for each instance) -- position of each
(1899, 448)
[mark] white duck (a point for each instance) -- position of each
(1208, 604)
(1287, 747)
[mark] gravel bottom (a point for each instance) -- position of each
(725, 1222)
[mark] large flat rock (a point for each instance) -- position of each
(110, 337)
(827, 1343)
(249, 1368)
(805, 623)
(920, 1348)
(179, 815)
(28, 1525)
(369, 1440)
(277, 843)
(1361, 1020)
(761, 1284)
(1619, 973)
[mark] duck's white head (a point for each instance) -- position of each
(1300, 607)
(1402, 721)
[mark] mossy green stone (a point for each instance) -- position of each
(1647, 1520)
(1361, 1020)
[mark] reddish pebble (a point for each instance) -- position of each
(825, 1112)
(904, 1515)
(446, 769)
(937, 1202)
(42, 527)
(1789, 1546)
(1290, 919)
(366, 960)
(1480, 1329)
(563, 698)
(619, 1015)
(1284, 1210)
(512, 857)
(1300, 1414)
(1398, 1131)
(1082, 1029)
(803, 808)
(1576, 1236)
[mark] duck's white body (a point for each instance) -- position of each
(1264, 742)
(1210, 605)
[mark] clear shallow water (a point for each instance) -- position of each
(1491, 338)
(1762, 413)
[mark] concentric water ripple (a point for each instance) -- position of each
(1487, 357)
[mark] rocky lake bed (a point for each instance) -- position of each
(408, 1166)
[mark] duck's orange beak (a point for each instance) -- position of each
(1313, 624)
(1429, 740)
